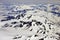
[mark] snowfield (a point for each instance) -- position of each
(30, 22)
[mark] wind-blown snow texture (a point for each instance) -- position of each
(30, 22)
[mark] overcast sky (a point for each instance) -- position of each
(29, 1)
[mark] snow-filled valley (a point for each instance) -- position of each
(30, 22)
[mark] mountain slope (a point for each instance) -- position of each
(26, 22)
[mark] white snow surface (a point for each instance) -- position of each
(30, 22)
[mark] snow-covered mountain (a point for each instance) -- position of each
(30, 22)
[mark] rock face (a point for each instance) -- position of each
(33, 24)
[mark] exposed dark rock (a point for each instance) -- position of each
(45, 21)
(18, 11)
(22, 15)
(31, 29)
(24, 23)
(36, 35)
(18, 17)
(21, 21)
(3, 20)
(56, 13)
(30, 23)
(6, 25)
(33, 20)
(58, 34)
(23, 11)
(38, 23)
(15, 38)
(41, 39)
(55, 8)
(21, 25)
(44, 32)
(29, 17)
(37, 31)
(13, 22)
(44, 27)
(10, 17)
